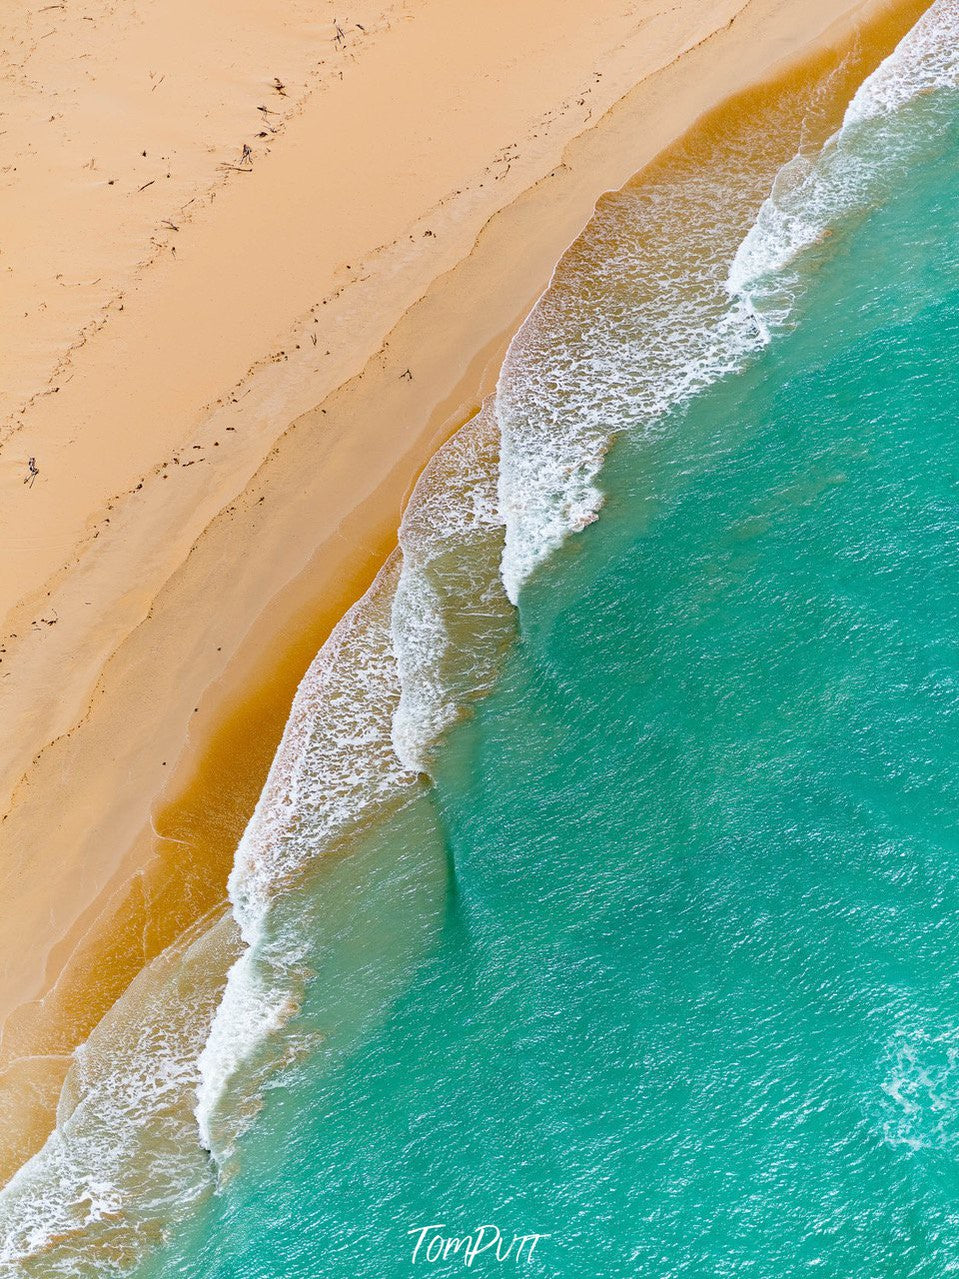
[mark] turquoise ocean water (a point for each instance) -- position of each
(662, 964)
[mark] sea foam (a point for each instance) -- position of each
(865, 159)
(676, 282)
(123, 1166)
(636, 320)
(451, 619)
(335, 767)
(394, 674)
(921, 1090)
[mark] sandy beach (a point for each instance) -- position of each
(259, 263)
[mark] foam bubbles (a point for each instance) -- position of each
(395, 673)
(921, 1089)
(123, 1165)
(451, 619)
(868, 157)
(335, 768)
(636, 321)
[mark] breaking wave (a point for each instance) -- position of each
(335, 766)
(867, 158)
(123, 1163)
(680, 278)
(635, 325)
(451, 619)
(397, 670)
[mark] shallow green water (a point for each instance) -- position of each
(692, 1004)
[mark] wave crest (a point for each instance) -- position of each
(122, 1167)
(451, 618)
(861, 163)
(395, 673)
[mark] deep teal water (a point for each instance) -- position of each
(691, 1006)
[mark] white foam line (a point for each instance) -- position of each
(812, 194)
(334, 766)
(448, 582)
(389, 680)
(581, 370)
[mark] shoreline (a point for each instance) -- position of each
(298, 578)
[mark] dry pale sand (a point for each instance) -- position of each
(229, 368)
